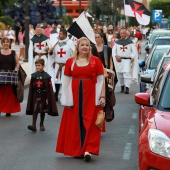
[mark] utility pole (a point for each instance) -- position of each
(79, 6)
(27, 18)
(60, 9)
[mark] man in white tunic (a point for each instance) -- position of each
(38, 48)
(62, 51)
(126, 61)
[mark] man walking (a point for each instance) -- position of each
(38, 48)
(62, 51)
(126, 61)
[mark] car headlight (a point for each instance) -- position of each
(159, 142)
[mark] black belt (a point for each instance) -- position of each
(39, 91)
(126, 58)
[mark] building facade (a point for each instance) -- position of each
(73, 7)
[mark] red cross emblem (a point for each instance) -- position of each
(123, 48)
(61, 52)
(40, 45)
(39, 83)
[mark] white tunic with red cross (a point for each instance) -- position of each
(62, 51)
(38, 48)
(126, 50)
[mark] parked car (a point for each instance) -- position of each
(159, 69)
(151, 63)
(155, 34)
(154, 123)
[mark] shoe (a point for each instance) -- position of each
(127, 90)
(87, 156)
(8, 114)
(122, 89)
(42, 128)
(30, 127)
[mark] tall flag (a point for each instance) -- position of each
(137, 10)
(82, 28)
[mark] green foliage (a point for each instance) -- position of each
(2, 26)
(67, 19)
(3, 4)
(70, 19)
(7, 20)
(163, 5)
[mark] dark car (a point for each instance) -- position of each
(151, 63)
(155, 34)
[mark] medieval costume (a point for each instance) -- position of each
(126, 70)
(62, 51)
(40, 92)
(8, 99)
(81, 90)
(105, 57)
(37, 50)
(41, 89)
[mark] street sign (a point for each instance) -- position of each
(156, 15)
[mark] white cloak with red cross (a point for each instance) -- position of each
(38, 45)
(62, 51)
(126, 49)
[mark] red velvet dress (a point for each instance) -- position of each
(8, 101)
(78, 132)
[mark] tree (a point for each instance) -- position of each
(7, 20)
(4, 4)
(164, 5)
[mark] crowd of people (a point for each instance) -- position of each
(80, 75)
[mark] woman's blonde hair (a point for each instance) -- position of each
(76, 51)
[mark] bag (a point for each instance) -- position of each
(110, 79)
(20, 87)
(100, 119)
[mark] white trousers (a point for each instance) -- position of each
(124, 79)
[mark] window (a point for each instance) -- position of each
(165, 96)
(156, 56)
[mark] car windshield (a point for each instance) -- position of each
(165, 97)
(155, 35)
(156, 56)
(165, 41)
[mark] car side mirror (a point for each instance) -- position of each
(146, 79)
(142, 99)
(147, 49)
(142, 64)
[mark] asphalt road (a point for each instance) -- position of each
(21, 149)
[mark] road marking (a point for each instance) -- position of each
(134, 116)
(131, 130)
(127, 151)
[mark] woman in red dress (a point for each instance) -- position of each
(8, 101)
(83, 95)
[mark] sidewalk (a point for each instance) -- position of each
(24, 65)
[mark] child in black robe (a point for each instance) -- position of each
(41, 96)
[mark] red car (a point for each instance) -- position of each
(154, 124)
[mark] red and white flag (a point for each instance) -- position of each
(137, 10)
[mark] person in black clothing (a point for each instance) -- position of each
(105, 54)
(17, 28)
(41, 96)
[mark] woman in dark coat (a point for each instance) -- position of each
(105, 54)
